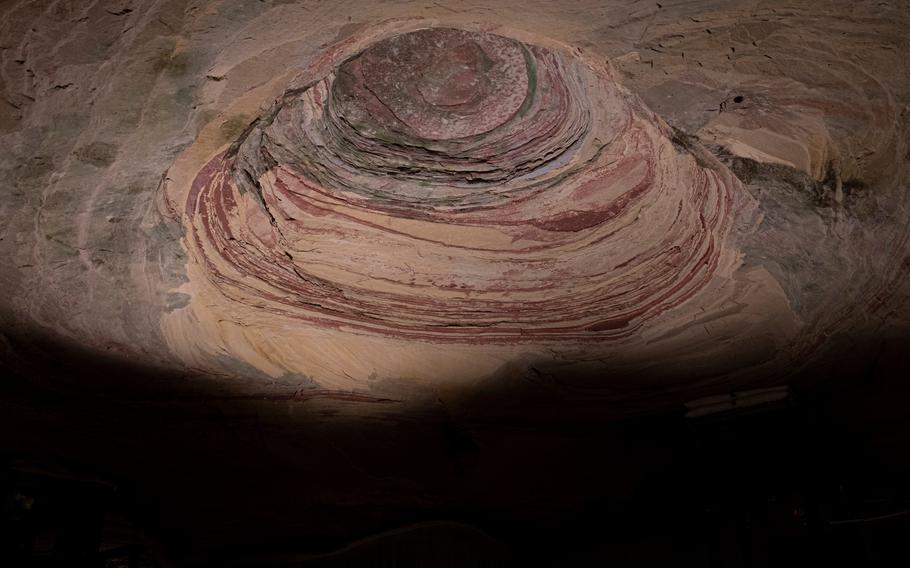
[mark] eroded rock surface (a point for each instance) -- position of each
(303, 271)
(407, 201)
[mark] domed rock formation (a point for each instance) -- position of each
(529, 204)
(356, 217)
(426, 199)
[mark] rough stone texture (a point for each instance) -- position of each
(558, 229)
(381, 211)
(93, 120)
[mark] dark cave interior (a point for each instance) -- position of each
(97, 477)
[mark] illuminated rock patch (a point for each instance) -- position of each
(450, 186)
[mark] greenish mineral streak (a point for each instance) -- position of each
(532, 81)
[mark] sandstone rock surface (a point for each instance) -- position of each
(297, 195)
(368, 216)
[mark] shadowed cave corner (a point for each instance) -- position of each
(158, 476)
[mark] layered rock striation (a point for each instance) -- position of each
(391, 197)
(446, 185)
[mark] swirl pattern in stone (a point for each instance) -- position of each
(458, 186)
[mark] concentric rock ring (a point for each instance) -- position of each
(440, 84)
(453, 186)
